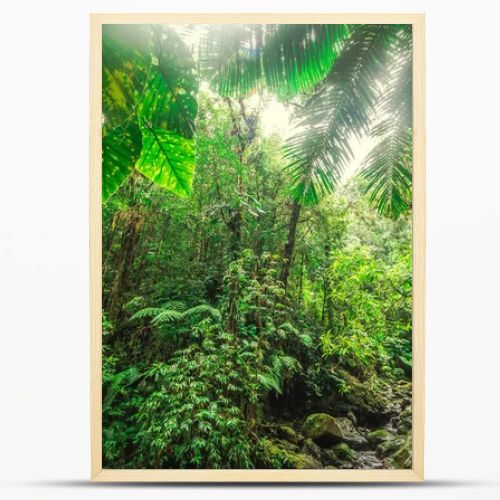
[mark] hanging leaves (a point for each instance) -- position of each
(285, 58)
(149, 108)
(343, 109)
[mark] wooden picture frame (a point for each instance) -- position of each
(320, 475)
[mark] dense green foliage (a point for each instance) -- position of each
(244, 286)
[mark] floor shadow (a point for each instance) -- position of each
(430, 484)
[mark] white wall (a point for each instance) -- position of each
(44, 371)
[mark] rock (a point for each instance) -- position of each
(379, 436)
(302, 461)
(323, 429)
(311, 448)
(287, 433)
(405, 420)
(350, 415)
(287, 444)
(404, 391)
(368, 460)
(351, 435)
(344, 452)
(330, 458)
(387, 448)
(402, 458)
(273, 455)
(367, 403)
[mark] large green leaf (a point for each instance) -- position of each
(168, 160)
(121, 148)
(170, 98)
(149, 85)
(125, 62)
(176, 66)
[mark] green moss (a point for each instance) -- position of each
(272, 455)
(287, 433)
(405, 420)
(402, 458)
(387, 448)
(344, 452)
(323, 429)
(379, 436)
(365, 399)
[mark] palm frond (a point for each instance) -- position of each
(286, 59)
(342, 109)
(296, 57)
(388, 167)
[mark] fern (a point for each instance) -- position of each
(203, 309)
(176, 305)
(147, 312)
(270, 382)
(174, 310)
(167, 316)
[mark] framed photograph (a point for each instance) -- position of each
(257, 247)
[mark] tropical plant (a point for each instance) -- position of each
(372, 72)
(149, 107)
(191, 418)
(273, 291)
(285, 58)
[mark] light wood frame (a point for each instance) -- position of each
(301, 476)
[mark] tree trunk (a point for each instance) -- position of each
(235, 229)
(130, 238)
(290, 243)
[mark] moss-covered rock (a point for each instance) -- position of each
(323, 429)
(403, 391)
(366, 402)
(287, 444)
(379, 436)
(300, 439)
(405, 420)
(402, 457)
(344, 452)
(387, 448)
(330, 458)
(274, 455)
(311, 448)
(287, 433)
(303, 461)
(351, 435)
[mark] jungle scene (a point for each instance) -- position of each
(257, 246)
